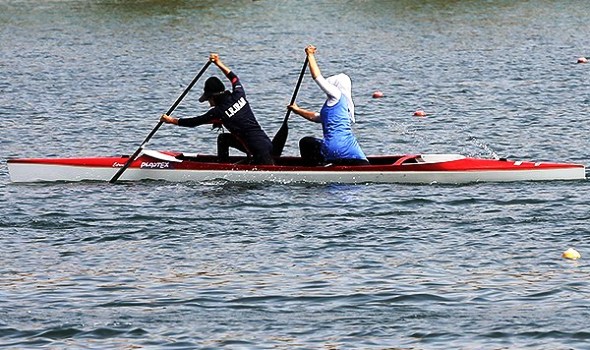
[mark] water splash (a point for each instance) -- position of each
(482, 146)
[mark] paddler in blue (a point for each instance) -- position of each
(232, 110)
(339, 145)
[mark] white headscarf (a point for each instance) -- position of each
(344, 84)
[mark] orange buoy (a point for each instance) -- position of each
(420, 113)
(377, 94)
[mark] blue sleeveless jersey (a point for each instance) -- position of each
(339, 141)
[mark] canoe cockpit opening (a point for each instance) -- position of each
(395, 160)
(409, 159)
(297, 161)
(206, 158)
(413, 159)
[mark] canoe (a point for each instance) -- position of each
(178, 167)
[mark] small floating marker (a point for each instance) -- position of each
(420, 113)
(377, 94)
(582, 60)
(571, 254)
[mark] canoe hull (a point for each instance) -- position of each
(387, 169)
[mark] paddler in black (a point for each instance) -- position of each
(232, 110)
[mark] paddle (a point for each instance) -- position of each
(278, 142)
(178, 100)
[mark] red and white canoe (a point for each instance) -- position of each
(174, 166)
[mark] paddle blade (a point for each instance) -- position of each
(278, 142)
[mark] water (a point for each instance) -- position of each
(293, 266)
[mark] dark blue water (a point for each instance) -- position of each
(292, 266)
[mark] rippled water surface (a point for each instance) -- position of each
(294, 266)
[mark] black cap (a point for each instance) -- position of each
(213, 86)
